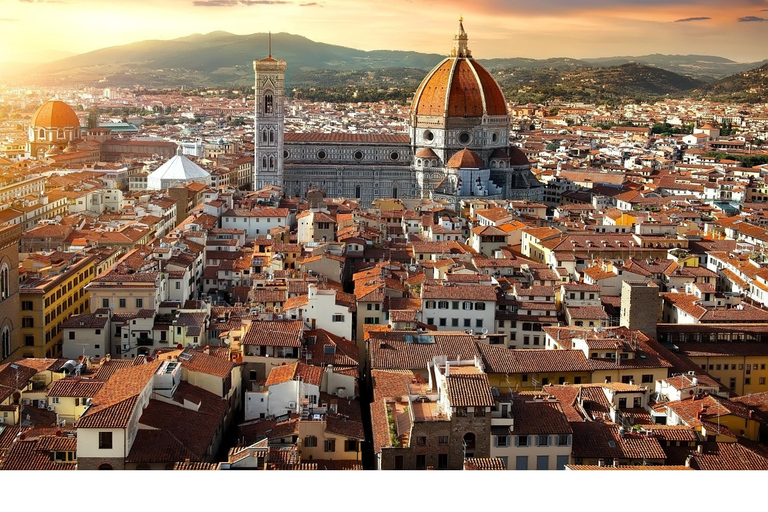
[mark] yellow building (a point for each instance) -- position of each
(716, 418)
(524, 370)
(743, 367)
(47, 301)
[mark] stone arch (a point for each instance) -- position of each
(105, 467)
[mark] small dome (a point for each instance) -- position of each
(55, 114)
(465, 159)
(426, 153)
(499, 154)
(54, 151)
(517, 157)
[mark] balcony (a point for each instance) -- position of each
(143, 341)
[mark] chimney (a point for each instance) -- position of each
(688, 461)
(699, 448)
(447, 368)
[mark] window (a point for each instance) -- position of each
(71, 335)
(442, 440)
(442, 461)
(761, 380)
(501, 441)
(371, 320)
(310, 441)
(521, 462)
(522, 440)
(542, 462)
(27, 322)
(455, 304)
(747, 381)
(337, 318)
(562, 440)
(454, 322)
(562, 460)
(647, 378)
(29, 340)
(350, 445)
(421, 441)
(467, 322)
(26, 305)
(479, 322)
(122, 303)
(543, 440)
(105, 440)
(139, 303)
(442, 322)
(329, 445)
(421, 462)
(178, 285)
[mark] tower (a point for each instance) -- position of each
(269, 121)
(640, 306)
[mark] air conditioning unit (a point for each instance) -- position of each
(291, 405)
(26, 401)
(2, 420)
(127, 346)
(50, 407)
(41, 405)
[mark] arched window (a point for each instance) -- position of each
(5, 282)
(271, 136)
(41, 134)
(271, 162)
(264, 162)
(268, 103)
(5, 343)
(264, 136)
(105, 466)
(469, 444)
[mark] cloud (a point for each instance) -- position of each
(751, 18)
(232, 3)
(311, 4)
(697, 18)
(214, 3)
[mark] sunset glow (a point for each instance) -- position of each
(30, 30)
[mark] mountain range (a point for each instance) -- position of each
(224, 59)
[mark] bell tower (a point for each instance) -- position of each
(269, 121)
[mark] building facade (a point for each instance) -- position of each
(457, 147)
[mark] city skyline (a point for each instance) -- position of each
(48, 29)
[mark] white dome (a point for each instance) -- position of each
(177, 169)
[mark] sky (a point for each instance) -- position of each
(42, 30)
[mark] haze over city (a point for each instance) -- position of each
(48, 29)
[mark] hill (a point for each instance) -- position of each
(750, 86)
(704, 67)
(218, 58)
(322, 71)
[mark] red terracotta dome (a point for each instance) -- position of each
(465, 159)
(459, 87)
(517, 157)
(55, 114)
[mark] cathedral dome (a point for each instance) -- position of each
(459, 87)
(465, 159)
(55, 114)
